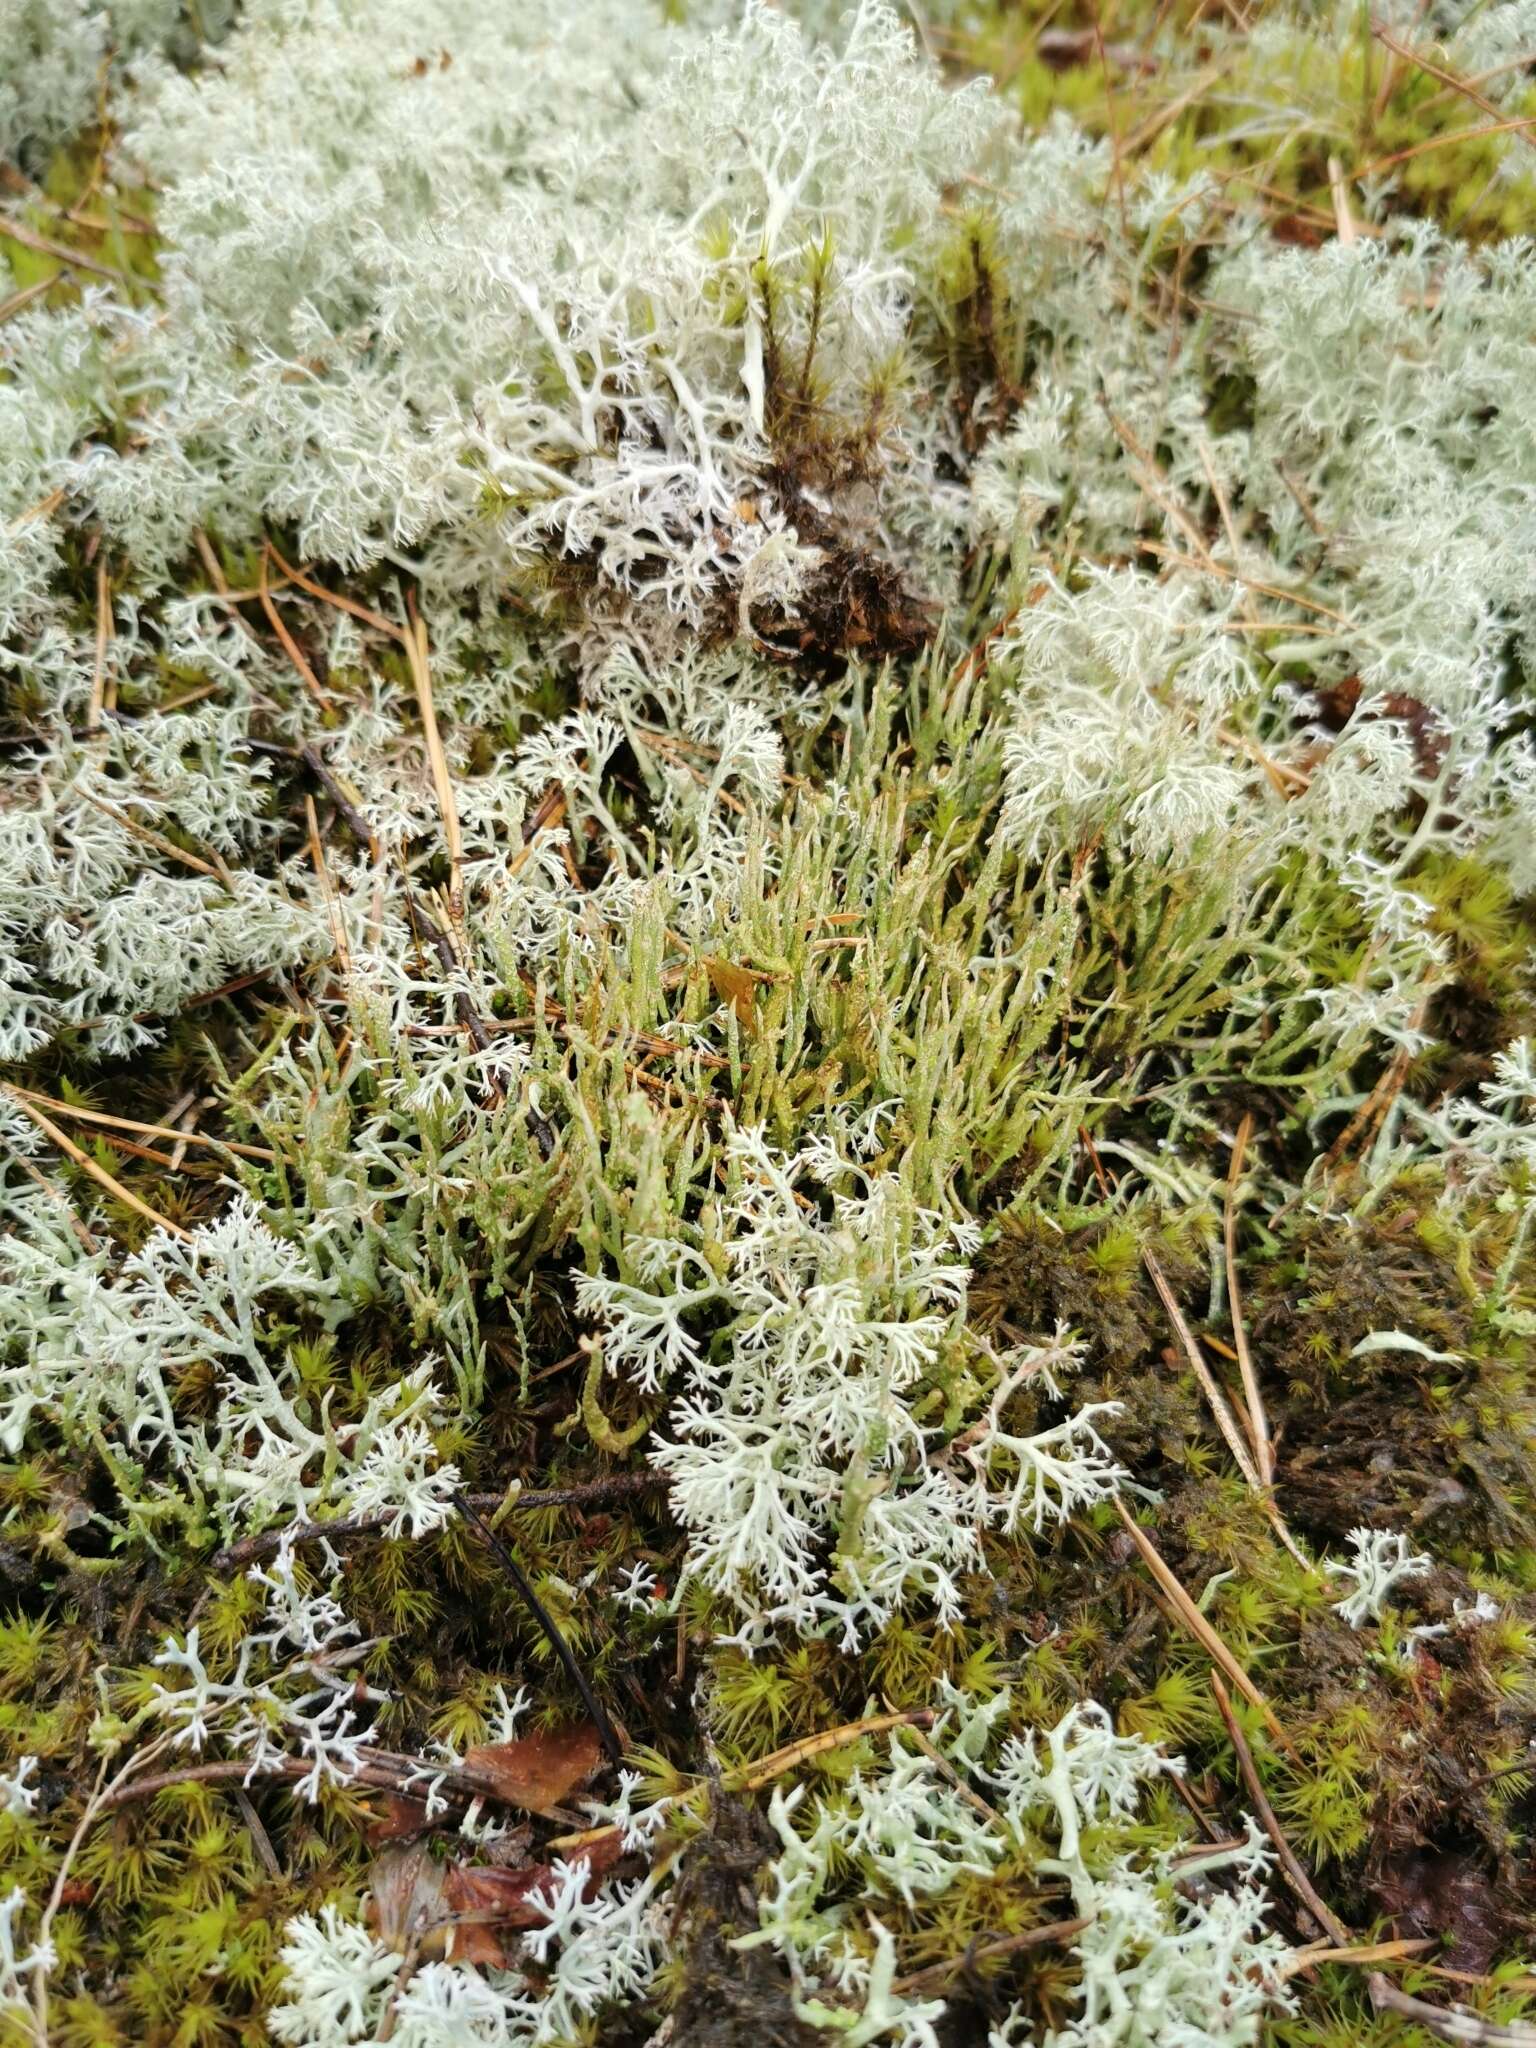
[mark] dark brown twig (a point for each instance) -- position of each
(541, 1614)
(351, 816)
(393, 1776)
(588, 1493)
(429, 933)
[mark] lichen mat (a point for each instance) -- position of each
(767, 837)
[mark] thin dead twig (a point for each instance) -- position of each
(379, 1772)
(1290, 1863)
(407, 1970)
(1464, 2028)
(342, 798)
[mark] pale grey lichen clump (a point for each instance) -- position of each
(614, 337)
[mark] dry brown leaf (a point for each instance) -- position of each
(463, 1911)
(405, 1891)
(539, 1770)
(487, 1902)
(397, 1817)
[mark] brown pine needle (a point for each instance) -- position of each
(946, 1770)
(1361, 1952)
(1369, 1116)
(290, 646)
(349, 605)
(18, 301)
(1147, 131)
(72, 1113)
(753, 1777)
(83, 1237)
(1403, 156)
(1226, 575)
(1221, 1408)
(327, 890)
(1290, 1863)
(550, 813)
(1197, 1625)
(1228, 523)
(1344, 220)
(214, 869)
(43, 509)
(442, 782)
(16, 231)
(103, 642)
(1465, 86)
(1216, 1400)
(134, 1150)
(1149, 475)
(98, 1173)
(1258, 1421)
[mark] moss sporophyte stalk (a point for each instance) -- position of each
(766, 909)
